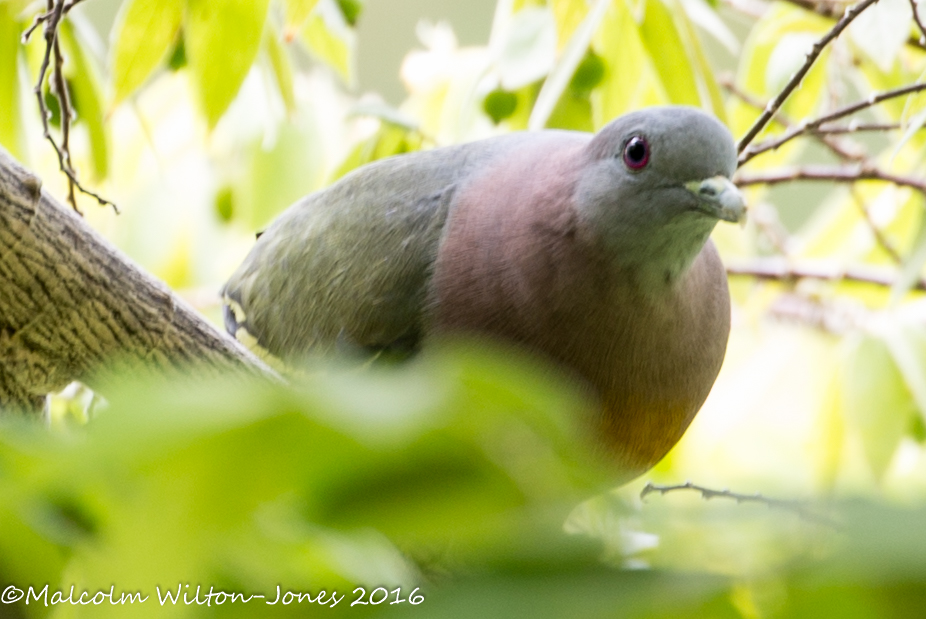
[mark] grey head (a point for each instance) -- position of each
(654, 185)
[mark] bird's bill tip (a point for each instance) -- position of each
(719, 197)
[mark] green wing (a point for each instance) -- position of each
(348, 267)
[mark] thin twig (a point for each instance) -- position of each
(919, 23)
(43, 17)
(834, 317)
(826, 8)
(855, 127)
(842, 112)
(64, 103)
(796, 507)
(848, 152)
(834, 10)
(780, 270)
(765, 217)
(51, 18)
(876, 231)
(881, 238)
(838, 174)
(772, 108)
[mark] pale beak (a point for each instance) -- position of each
(719, 197)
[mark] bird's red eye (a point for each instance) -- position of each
(636, 153)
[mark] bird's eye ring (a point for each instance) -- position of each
(636, 153)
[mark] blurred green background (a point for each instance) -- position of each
(465, 474)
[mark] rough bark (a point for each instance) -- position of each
(72, 305)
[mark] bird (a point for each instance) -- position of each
(589, 250)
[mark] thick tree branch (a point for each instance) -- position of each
(72, 305)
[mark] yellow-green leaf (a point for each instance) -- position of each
(331, 40)
(388, 141)
(759, 73)
(222, 38)
(629, 82)
(282, 68)
(565, 68)
(87, 96)
(568, 14)
(875, 399)
(10, 121)
(144, 34)
(297, 13)
(668, 52)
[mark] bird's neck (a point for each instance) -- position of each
(659, 258)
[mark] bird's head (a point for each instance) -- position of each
(655, 182)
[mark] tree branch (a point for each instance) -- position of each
(848, 152)
(796, 507)
(812, 125)
(781, 270)
(51, 18)
(772, 108)
(919, 24)
(838, 174)
(72, 305)
(834, 10)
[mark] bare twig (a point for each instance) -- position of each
(873, 99)
(854, 127)
(846, 151)
(824, 8)
(51, 18)
(838, 174)
(835, 317)
(876, 231)
(919, 24)
(780, 270)
(796, 507)
(834, 10)
(43, 17)
(772, 108)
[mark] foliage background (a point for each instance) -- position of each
(203, 120)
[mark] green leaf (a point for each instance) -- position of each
(876, 30)
(875, 398)
(704, 14)
(278, 174)
(529, 49)
(222, 38)
(391, 139)
(144, 35)
(669, 52)
(629, 81)
(499, 105)
(331, 40)
(87, 96)
(351, 10)
(566, 66)
(906, 340)
(282, 68)
(10, 120)
(753, 76)
(568, 15)
(295, 16)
